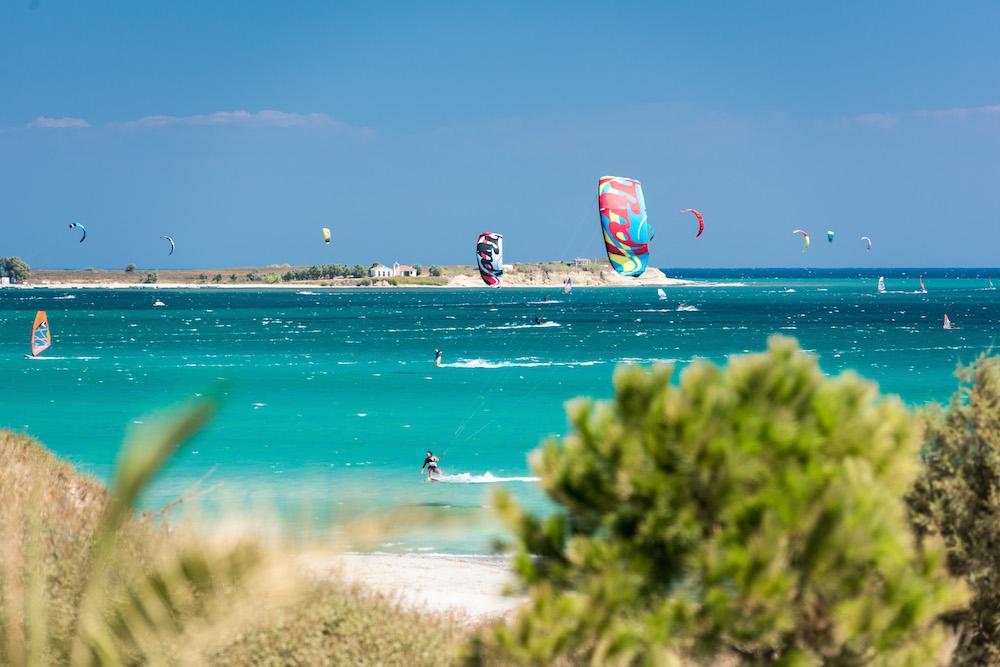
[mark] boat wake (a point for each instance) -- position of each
(485, 478)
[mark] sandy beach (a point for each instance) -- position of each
(468, 586)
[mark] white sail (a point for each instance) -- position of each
(881, 285)
(923, 289)
(660, 293)
(947, 322)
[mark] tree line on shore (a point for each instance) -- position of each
(18, 271)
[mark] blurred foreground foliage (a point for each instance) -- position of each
(86, 581)
(957, 497)
(749, 514)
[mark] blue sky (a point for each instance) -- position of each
(241, 127)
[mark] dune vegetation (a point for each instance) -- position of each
(86, 580)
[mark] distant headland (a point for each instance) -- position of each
(582, 272)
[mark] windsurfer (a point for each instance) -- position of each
(437, 358)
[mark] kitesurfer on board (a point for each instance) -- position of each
(430, 465)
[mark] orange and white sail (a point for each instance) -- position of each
(923, 290)
(947, 322)
(41, 335)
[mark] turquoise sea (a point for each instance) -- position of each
(332, 395)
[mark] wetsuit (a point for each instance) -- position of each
(430, 463)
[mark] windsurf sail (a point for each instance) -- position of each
(923, 290)
(489, 258)
(568, 285)
(990, 285)
(624, 224)
(660, 293)
(947, 323)
(326, 235)
(881, 285)
(41, 335)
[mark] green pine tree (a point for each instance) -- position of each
(957, 497)
(750, 514)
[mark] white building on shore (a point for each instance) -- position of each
(397, 269)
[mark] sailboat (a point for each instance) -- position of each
(568, 285)
(881, 285)
(947, 323)
(923, 290)
(990, 285)
(41, 335)
(660, 293)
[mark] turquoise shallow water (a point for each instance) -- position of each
(332, 396)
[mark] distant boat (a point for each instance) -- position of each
(41, 335)
(660, 293)
(881, 285)
(923, 290)
(159, 304)
(568, 285)
(947, 323)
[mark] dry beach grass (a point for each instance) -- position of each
(82, 582)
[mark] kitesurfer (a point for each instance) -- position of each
(437, 358)
(430, 465)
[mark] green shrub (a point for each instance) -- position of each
(150, 278)
(435, 271)
(14, 268)
(957, 497)
(751, 514)
(272, 278)
(130, 268)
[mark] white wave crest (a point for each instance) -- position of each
(483, 363)
(541, 325)
(47, 358)
(684, 308)
(64, 297)
(485, 478)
